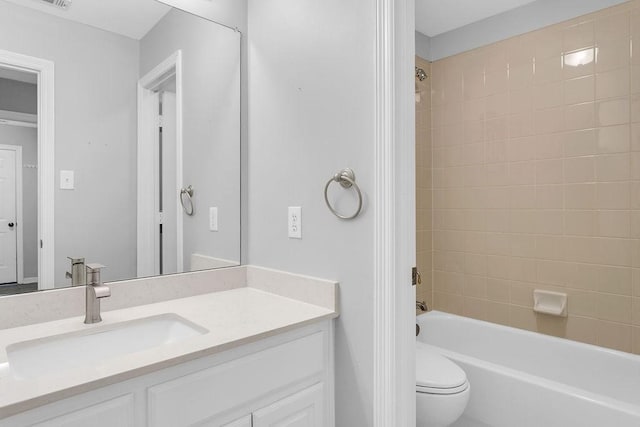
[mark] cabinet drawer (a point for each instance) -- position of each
(196, 397)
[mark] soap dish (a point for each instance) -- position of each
(548, 302)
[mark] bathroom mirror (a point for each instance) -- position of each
(119, 141)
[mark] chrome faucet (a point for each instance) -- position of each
(78, 273)
(95, 290)
(422, 306)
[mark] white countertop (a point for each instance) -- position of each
(232, 317)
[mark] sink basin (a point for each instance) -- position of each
(31, 359)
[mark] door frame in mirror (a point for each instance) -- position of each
(147, 156)
(44, 69)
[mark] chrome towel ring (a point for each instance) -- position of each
(347, 179)
(189, 192)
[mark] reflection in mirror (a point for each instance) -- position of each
(135, 163)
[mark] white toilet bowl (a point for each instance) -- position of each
(442, 389)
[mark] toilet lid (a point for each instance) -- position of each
(434, 371)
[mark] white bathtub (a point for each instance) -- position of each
(522, 378)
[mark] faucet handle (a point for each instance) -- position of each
(76, 260)
(93, 273)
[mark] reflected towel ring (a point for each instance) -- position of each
(347, 179)
(189, 192)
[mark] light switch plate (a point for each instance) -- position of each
(295, 222)
(213, 219)
(66, 180)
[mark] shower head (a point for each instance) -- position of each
(420, 74)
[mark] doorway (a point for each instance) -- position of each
(34, 232)
(160, 219)
(18, 181)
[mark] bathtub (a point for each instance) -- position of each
(522, 378)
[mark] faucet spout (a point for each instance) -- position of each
(101, 291)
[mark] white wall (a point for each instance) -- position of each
(211, 130)
(96, 74)
(232, 13)
(529, 17)
(311, 113)
(27, 138)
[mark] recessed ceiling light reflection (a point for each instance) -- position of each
(579, 57)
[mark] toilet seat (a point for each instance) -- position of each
(435, 374)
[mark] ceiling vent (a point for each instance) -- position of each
(62, 4)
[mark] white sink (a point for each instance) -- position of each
(31, 359)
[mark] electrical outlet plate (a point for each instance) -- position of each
(295, 222)
(213, 219)
(67, 180)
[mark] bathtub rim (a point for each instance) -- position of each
(576, 392)
(526, 332)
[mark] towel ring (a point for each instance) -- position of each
(189, 192)
(347, 179)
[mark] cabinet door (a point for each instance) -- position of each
(242, 422)
(116, 412)
(303, 409)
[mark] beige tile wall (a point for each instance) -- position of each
(424, 208)
(536, 178)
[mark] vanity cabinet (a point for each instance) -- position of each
(285, 380)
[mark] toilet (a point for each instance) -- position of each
(442, 389)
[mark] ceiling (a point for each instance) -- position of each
(131, 18)
(435, 17)
(134, 18)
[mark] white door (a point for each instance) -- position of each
(303, 409)
(8, 239)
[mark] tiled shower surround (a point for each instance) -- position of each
(536, 178)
